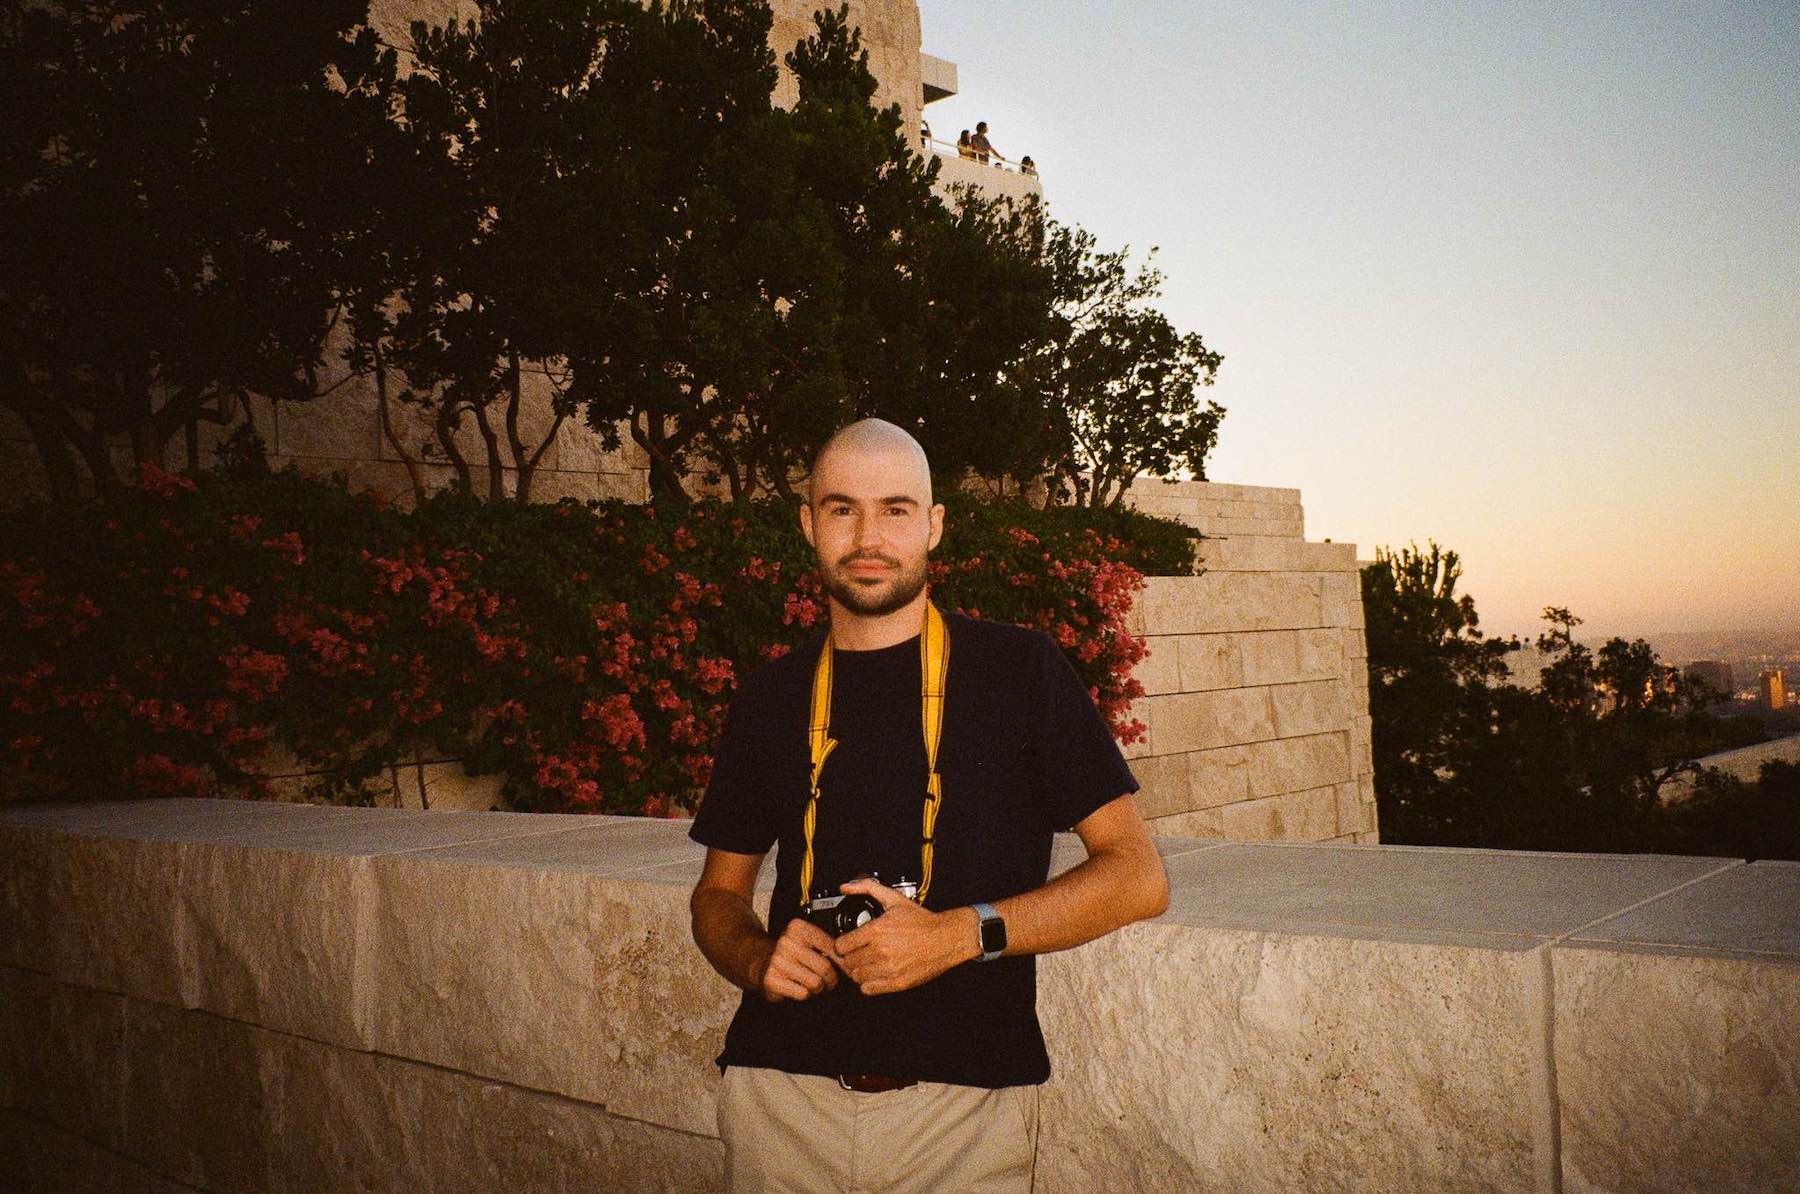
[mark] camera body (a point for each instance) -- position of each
(838, 913)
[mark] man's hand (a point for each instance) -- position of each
(799, 963)
(906, 945)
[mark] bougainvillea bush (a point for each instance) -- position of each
(164, 643)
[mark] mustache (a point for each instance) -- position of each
(874, 556)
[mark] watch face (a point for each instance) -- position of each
(993, 936)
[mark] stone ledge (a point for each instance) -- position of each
(1427, 1019)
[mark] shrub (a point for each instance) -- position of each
(162, 643)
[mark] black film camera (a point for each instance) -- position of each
(838, 913)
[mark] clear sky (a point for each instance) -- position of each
(1521, 278)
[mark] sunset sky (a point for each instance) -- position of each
(1523, 279)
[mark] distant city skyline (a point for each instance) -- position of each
(1524, 280)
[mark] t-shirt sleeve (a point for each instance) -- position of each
(733, 814)
(1078, 763)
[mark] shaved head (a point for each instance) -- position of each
(871, 437)
(872, 524)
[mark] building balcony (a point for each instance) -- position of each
(991, 177)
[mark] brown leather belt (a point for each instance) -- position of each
(873, 1083)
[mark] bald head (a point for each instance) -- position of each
(867, 440)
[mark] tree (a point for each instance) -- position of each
(1581, 761)
(173, 204)
(1120, 384)
(1431, 676)
(778, 273)
(496, 115)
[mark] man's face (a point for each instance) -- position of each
(871, 522)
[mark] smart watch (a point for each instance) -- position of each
(992, 936)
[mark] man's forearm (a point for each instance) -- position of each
(728, 932)
(1104, 892)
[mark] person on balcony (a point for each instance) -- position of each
(1027, 166)
(964, 148)
(982, 146)
(887, 1038)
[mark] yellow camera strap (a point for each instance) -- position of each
(934, 674)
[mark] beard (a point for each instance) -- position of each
(874, 600)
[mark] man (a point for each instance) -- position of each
(979, 142)
(904, 1054)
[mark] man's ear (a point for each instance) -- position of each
(937, 526)
(806, 526)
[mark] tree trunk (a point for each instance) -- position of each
(490, 437)
(665, 479)
(388, 432)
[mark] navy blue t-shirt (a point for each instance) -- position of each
(1024, 753)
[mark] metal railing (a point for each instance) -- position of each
(950, 149)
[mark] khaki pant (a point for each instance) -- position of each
(802, 1134)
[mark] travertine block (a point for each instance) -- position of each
(1221, 491)
(1312, 708)
(42, 1159)
(1285, 1063)
(1270, 656)
(1165, 784)
(1276, 555)
(94, 911)
(1341, 599)
(344, 425)
(1219, 602)
(1308, 816)
(195, 1092)
(1160, 671)
(292, 965)
(1209, 661)
(1320, 655)
(1350, 809)
(565, 983)
(1677, 1066)
(342, 1120)
(1220, 776)
(64, 1055)
(1362, 749)
(1296, 764)
(1677, 1071)
(1203, 824)
(1199, 720)
(1290, 527)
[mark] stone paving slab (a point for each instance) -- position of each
(683, 874)
(1478, 897)
(169, 820)
(1752, 909)
(1067, 850)
(389, 831)
(327, 829)
(597, 846)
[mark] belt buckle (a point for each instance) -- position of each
(872, 1083)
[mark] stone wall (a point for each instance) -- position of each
(1257, 684)
(217, 995)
